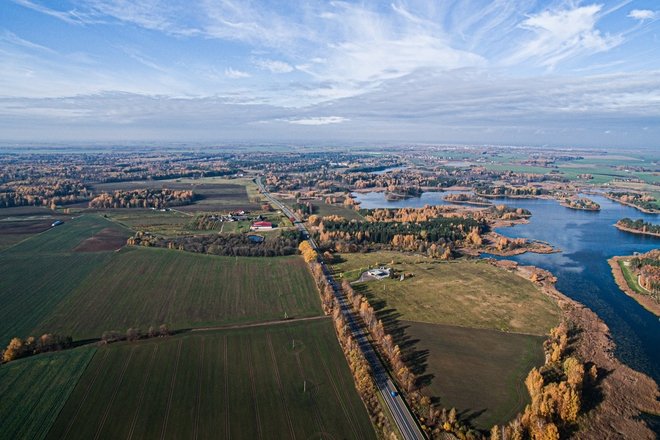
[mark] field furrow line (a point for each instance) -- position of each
(84, 399)
(317, 413)
(114, 394)
(143, 387)
(199, 391)
(226, 368)
(253, 386)
(276, 372)
(328, 374)
(169, 399)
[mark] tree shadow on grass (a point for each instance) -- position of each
(416, 359)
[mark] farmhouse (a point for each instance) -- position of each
(261, 226)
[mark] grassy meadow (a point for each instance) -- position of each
(469, 330)
(464, 293)
(479, 372)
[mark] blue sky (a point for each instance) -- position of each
(465, 71)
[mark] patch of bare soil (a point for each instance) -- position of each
(624, 393)
(108, 239)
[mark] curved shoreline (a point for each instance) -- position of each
(644, 300)
(626, 393)
(635, 231)
(639, 208)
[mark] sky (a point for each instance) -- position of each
(511, 72)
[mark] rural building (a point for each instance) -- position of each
(379, 273)
(261, 226)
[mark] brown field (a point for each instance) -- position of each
(108, 239)
(21, 222)
(479, 372)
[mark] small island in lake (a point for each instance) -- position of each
(638, 226)
(581, 203)
(464, 198)
(639, 277)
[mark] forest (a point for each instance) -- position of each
(143, 198)
(232, 245)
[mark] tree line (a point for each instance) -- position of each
(232, 245)
(639, 225)
(143, 198)
(19, 348)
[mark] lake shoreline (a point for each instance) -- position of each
(626, 393)
(643, 300)
(635, 231)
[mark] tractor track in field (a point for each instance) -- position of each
(199, 391)
(339, 399)
(143, 388)
(114, 394)
(259, 324)
(254, 395)
(276, 372)
(84, 399)
(226, 368)
(318, 419)
(172, 384)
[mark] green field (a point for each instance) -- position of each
(631, 278)
(35, 389)
(469, 330)
(465, 293)
(83, 294)
(139, 287)
(38, 273)
(479, 372)
(243, 384)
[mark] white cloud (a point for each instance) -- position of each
(235, 74)
(320, 120)
(643, 14)
(563, 34)
(274, 66)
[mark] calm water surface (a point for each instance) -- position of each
(587, 239)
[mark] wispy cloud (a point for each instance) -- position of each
(320, 120)
(643, 14)
(563, 34)
(412, 68)
(274, 66)
(235, 74)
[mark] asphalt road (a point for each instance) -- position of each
(401, 414)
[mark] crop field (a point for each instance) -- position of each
(280, 381)
(35, 389)
(27, 299)
(465, 293)
(479, 372)
(140, 287)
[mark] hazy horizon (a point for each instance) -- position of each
(546, 73)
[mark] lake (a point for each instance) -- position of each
(587, 239)
(374, 199)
